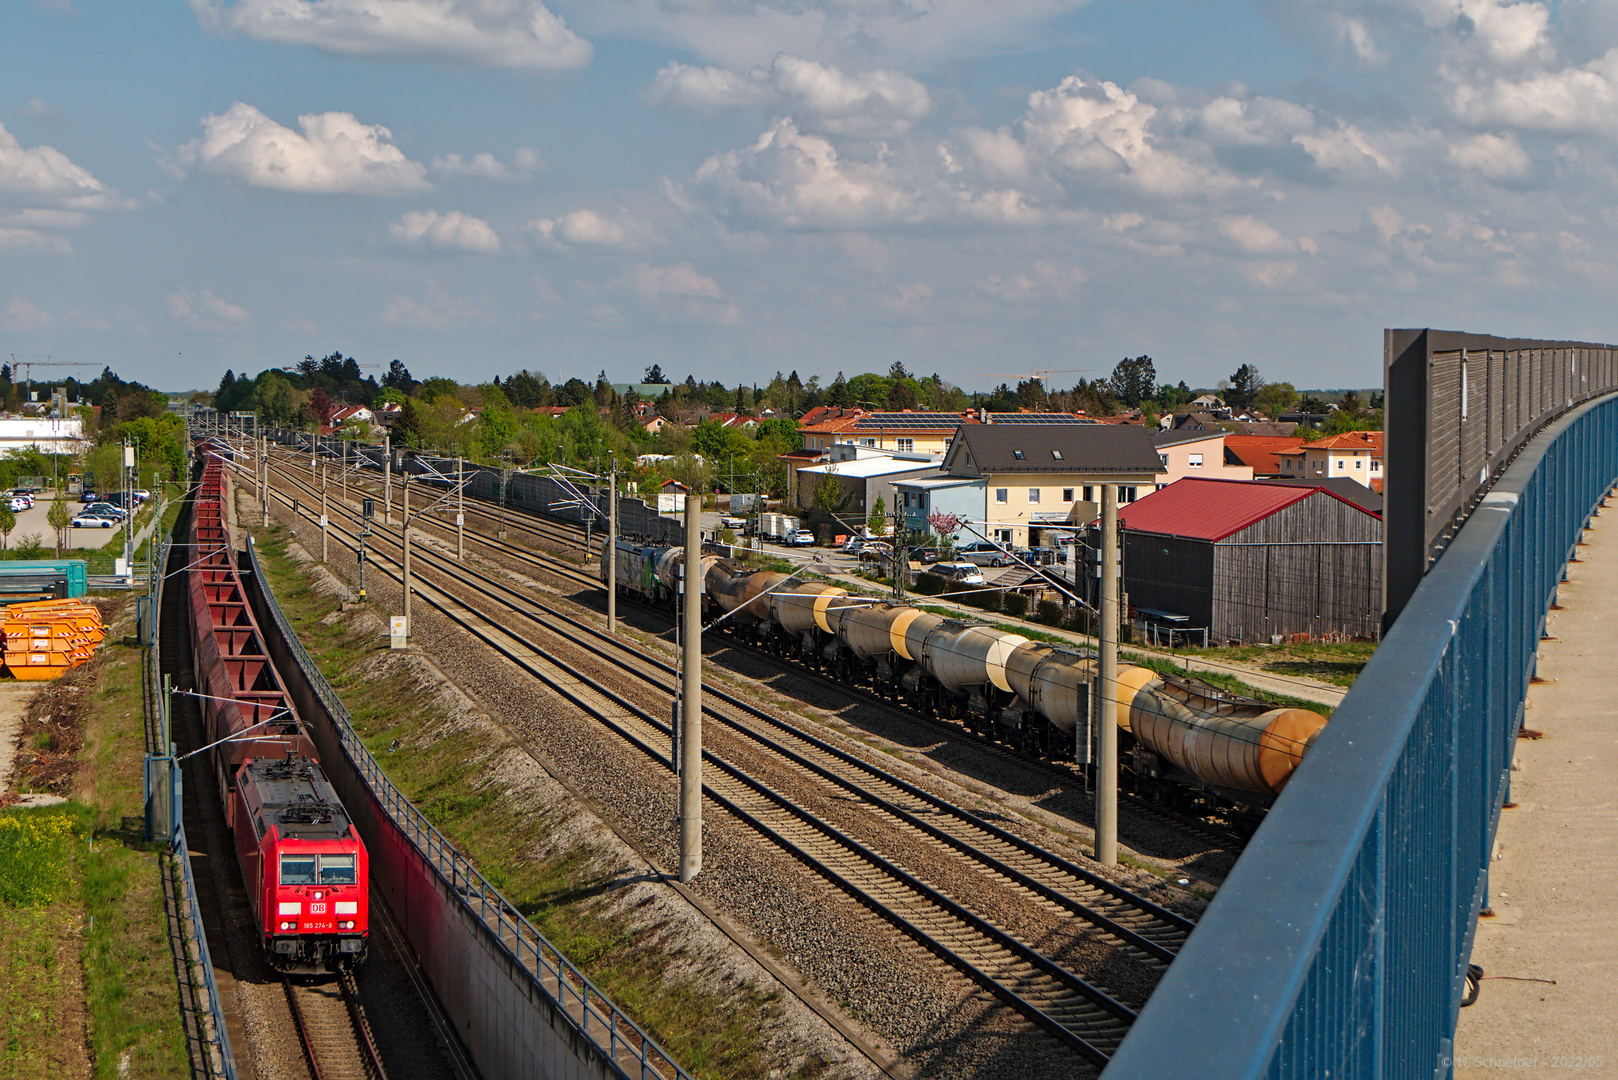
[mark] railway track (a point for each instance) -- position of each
(568, 536)
(331, 1025)
(1079, 1013)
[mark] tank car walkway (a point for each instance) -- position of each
(1549, 1000)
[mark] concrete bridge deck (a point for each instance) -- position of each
(1549, 1000)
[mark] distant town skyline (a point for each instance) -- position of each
(976, 189)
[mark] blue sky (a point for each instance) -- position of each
(734, 187)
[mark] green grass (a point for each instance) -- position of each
(568, 893)
(1337, 663)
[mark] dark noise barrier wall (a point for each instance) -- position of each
(520, 1008)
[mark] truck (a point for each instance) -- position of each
(778, 527)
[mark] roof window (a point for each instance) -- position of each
(1057, 454)
(1017, 454)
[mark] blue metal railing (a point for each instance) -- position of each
(600, 1021)
(1338, 945)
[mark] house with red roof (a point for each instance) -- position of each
(1253, 562)
(1355, 455)
(1259, 452)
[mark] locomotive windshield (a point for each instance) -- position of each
(337, 869)
(298, 869)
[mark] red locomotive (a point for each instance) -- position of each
(305, 867)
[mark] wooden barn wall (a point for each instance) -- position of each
(1170, 574)
(1313, 568)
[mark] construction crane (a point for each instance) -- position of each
(1037, 373)
(30, 365)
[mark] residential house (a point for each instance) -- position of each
(1253, 561)
(1032, 484)
(1196, 453)
(1356, 455)
(1259, 452)
(863, 475)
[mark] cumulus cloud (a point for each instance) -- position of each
(453, 231)
(205, 312)
(22, 317)
(915, 34)
(801, 180)
(26, 239)
(585, 228)
(1575, 99)
(44, 176)
(37, 108)
(436, 311)
(483, 33)
(334, 153)
(1498, 157)
(524, 163)
(681, 279)
(870, 104)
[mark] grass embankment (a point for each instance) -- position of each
(88, 984)
(712, 1033)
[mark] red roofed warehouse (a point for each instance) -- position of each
(1251, 561)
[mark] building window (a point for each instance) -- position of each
(906, 445)
(1057, 454)
(1067, 495)
(1194, 461)
(1376, 466)
(1339, 464)
(1126, 494)
(1359, 464)
(1017, 454)
(867, 442)
(1163, 459)
(1033, 495)
(1002, 536)
(1000, 495)
(1089, 493)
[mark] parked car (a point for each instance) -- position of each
(25, 494)
(961, 573)
(801, 538)
(106, 509)
(141, 495)
(88, 496)
(118, 498)
(94, 521)
(875, 551)
(984, 553)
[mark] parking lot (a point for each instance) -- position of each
(34, 521)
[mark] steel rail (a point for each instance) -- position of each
(1174, 927)
(1099, 1000)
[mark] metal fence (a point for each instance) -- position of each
(613, 1035)
(163, 822)
(1459, 408)
(1338, 945)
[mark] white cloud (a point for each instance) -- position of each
(437, 311)
(1045, 280)
(453, 231)
(43, 175)
(24, 318)
(37, 107)
(205, 312)
(800, 180)
(913, 34)
(871, 104)
(525, 162)
(334, 153)
(681, 279)
(25, 239)
(1259, 237)
(584, 228)
(484, 33)
(1498, 157)
(1581, 99)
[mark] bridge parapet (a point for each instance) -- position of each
(1338, 945)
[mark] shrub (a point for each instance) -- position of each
(928, 584)
(1014, 603)
(34, 852)
(1048, 612)
(31, 546)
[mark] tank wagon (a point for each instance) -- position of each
(303, 863)
(1180, 740)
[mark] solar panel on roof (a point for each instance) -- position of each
(1040, 418)
(909, 420)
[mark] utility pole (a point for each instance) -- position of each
(1107, 760)
(691, 707)
(387, 484)
(264, 481)
(460, 508)
(404, 529)
(612, 548)
(325, 537)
